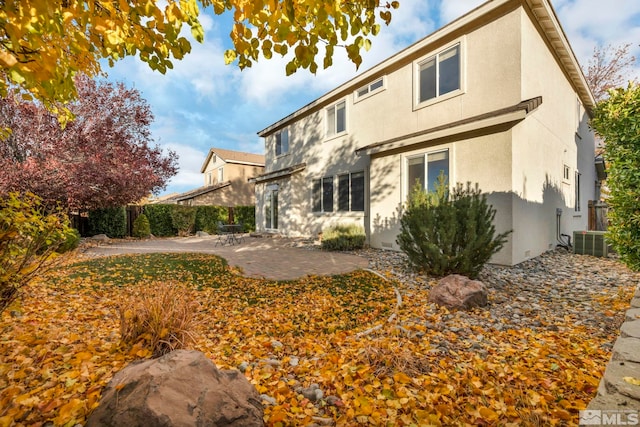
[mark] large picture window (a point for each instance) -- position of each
(351, 192)
(336, 119)
(282, 142)
(439, 74)
(425, 169)
(322, 194)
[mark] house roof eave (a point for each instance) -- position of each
(502, 116)
(280, 173)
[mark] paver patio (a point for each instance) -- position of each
(269, 258)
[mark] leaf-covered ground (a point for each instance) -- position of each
(373, 361)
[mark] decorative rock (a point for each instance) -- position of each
(626, 349)
(181, 388)
(201, 234)
(631, 329)
(313, 392)
(101, 237)
(459, 292)
(294, 361)
(268, 399)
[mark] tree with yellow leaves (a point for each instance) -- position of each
(44, 43)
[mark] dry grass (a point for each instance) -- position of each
(162, 316)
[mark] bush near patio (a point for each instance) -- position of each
(183, 219)
(141, 227)
(449, 232)
(30, 236)
(245, 215)
(207, 218)
(343, 238)
(160, 220)
(109, 221)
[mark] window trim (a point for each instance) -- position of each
(417, 104)
(566, 173)
(321, 181)
(220, 174)
(279, 134)
(350, 191)
(326, 120)
(370, 92)
(406, 189)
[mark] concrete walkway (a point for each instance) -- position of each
(269, 258)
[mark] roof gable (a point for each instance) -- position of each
(230, 156)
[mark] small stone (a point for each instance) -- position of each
(268, 399)
(276, 344)
(294, 361)
(243, 367)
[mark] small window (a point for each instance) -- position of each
(351, 192)
(322, 194)
(439, 74)
(425, 169)
(336, 119)
(566, 173)
(220, 175)
(370, 88)
(577, 190)
(282, 142)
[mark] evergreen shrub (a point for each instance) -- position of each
(343, 238)
(446, 232)
(141, 227)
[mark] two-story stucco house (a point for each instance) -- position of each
(226, 179)
(496, 97)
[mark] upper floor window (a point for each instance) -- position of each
(282, 142)
(220, 175)
(426, 168)
(439, 74)
(367, 90)
(336, 119)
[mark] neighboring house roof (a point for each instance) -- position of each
(230, 156)
(280, 173)
(543, 13)
(491, 119)
(200, 191)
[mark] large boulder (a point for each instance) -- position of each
(459, 292)
(181, 388)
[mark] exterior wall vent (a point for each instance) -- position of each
(590, 243)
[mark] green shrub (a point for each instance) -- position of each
(247, 216)
(71, 241)
(109, 221)
(141, 228)
(29, 239)
(617, 121)
(160, 221)
(183, 219)
(207, 218)
(449, 233)
(343, 238)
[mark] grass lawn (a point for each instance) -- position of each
(61, 344)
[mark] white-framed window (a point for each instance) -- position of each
(424, 169)
(577, 191)
(336, 119)
(220, 174)
(351, 192)
(282, 142)
(322, 194)
(566, 173)
(209, 178)
(439, 74)
(370, 89)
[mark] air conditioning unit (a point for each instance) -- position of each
(590, 243)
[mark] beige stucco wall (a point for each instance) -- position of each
(504, 62)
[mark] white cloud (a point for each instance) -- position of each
(453, 9)
(190, 162)
(265, 82)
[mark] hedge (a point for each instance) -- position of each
(109, 221)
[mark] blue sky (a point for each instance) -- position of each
(203, 103)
